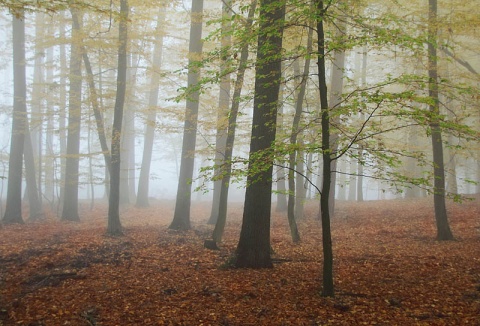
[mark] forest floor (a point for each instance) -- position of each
(389, 270)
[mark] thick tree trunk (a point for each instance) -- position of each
(181, 216)
(13, 209)
(253, 248)
(443, 227)
(114, 227)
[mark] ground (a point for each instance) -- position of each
(389, 270)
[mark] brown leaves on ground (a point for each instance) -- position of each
(389, 270)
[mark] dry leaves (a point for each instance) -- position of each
(389, 270)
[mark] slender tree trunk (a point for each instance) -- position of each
(143, 180)
(336, 89)
(222, 116)
(49, 159)
(96, 107)
(38, 96)
(114, 227)
(62, 118)
(281, 184)
(230, 141)
(253, 248)
(13, 209)
(328, 286)
(70, 203)
(181, 216)
(293, 141)
(443, 227)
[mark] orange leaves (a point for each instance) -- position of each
(388, 270)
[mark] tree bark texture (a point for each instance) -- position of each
(70, 200)
(114, 227)
(443, 227)
(328, 286)
(13, 209)
(253, 250)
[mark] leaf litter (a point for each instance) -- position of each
(389, 270)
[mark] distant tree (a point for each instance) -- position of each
(114, 227)
(144, 178)
(181, 216)
(253, 250)
(13, 209)
(70, 200)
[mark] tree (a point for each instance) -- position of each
(70, 200)
(143, 180)
(230, 141)
(328, 287)
(253, 248)
(114, 227)
(13, 209)
(181, 216)
(222, 115)
(443, 227)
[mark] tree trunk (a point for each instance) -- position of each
(222, 114)
(35, 206)
(144, 178)
(328, 286)
(62, 117)
(114, 227)
(70, 203)
(253, 248)
(181, 216)
(443, 227)
(230, 141)
(13, 209)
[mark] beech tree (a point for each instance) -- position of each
(181, 216)
(443, 228)
(253, 249)
(114, 226)
(13, 209)
(70, 200)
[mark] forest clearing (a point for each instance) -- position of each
(389, 270)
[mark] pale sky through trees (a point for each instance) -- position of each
(384, 61)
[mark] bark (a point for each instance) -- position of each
(144, 178)
(70, 203)
(222, 114)
(62, 118)
(328, 286)
(13, 209)
(35, 205)
(230, 141)
(253, 250)
(336, 89)
(36, 122)
(49, 159)
(181, 216)
(293, 141)
(443, 227)
(114, 227)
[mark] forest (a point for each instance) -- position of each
(240, 162)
